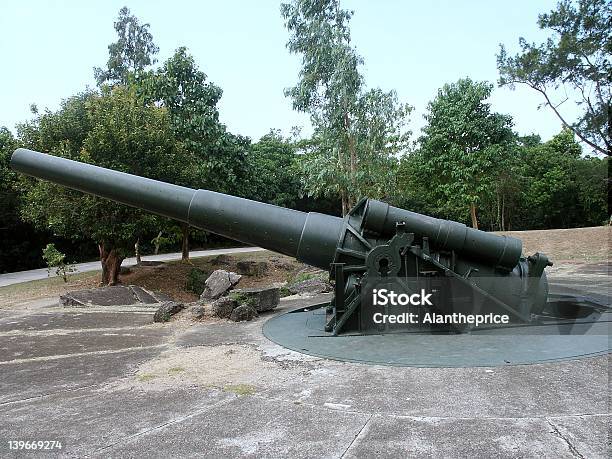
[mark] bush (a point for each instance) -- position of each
(196, 281)
(55, 259)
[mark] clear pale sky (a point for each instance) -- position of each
(49, 48)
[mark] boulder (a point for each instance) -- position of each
(218, 283)
(261, 299)
(312, 286)
(167, 310)
(243, 312)
(252, 268)
(116, 295)
(223, 307)
(198, 312)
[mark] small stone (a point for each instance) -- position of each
(198, 312)
(261, 299)
(252, 268)
(218, 283)
(167, 310)
(223, 307)
(243, 312)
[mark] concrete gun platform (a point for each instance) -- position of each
(107, 382)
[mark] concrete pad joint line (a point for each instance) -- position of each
(81, 354)
(50, 394)
(70, 331)
(357, 436)
(557, 433)
(164, 425)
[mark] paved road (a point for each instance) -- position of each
(35, 274)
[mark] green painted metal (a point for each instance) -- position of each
(373, 243)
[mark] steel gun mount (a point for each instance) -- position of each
(374, 245)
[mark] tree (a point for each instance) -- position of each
(463, 150)
(210, 155)
(19, 244)
(131, 53)
(578, 57)
(379, 138)
(111, 129)
(274, 176)
(559, 188)
(345, 148)
(329, 81)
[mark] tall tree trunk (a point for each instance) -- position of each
(157, 241)
(473, 215)
(352, 159)
(137, 250)
(185, 246)
(111, 264)
(503, 211)
(345, 205)
(499, 217)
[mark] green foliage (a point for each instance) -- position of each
(111, 129)
(196, 281)
(577, 57)
(241, 298)
(133, 51)
(56, 259)
(465, 149)
(357, 132)
(273, 171)
(559, 188)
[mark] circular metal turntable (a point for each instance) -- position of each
(302, 330)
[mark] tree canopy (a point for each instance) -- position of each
(131, 54)
(111, 129)
(357, 132)
(578, 57)
(463, 148)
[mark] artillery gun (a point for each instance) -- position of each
(374, 246)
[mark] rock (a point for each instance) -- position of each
(117, 295)
(243, 312)
(218, 283)
(223, 307)
(280, 263)
(313, 285)
(222, 260)
(252, 268)
(198, 312)
(261, 299)
(167, 310)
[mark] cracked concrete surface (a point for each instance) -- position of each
(110, 383)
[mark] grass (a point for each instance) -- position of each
(240, 389)
(175, 370)
(145, 377)
(241, 298)
(16, 293)
(171, 279)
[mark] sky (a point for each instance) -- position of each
(49, 49)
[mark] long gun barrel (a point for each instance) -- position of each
(310, 237)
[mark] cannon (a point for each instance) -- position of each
(376, 247)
